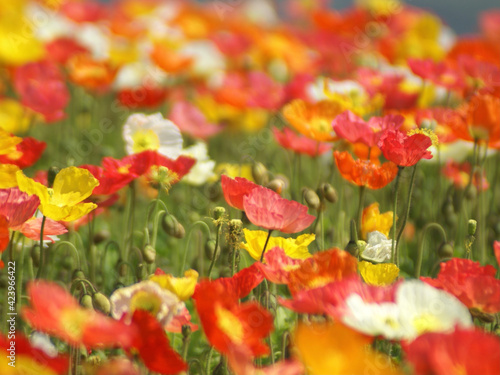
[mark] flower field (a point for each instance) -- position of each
(247, 187)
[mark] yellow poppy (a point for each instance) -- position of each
(295, 248)
(182, 287)
(373, 220)
(8, 142)
(14, 118)
(378, 274)
(8, 176)
(235, 170)
(62, 202)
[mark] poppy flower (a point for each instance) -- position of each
(190, 120)
(90, 73)
(295, 248)
(235, 190)
(31, 228)
(146, 96)
(378, 274)
(459, 174)
(324, 348)
(152, 344)
(438, 73)
(461, 351)
(62, 49)
(30, 358)
(277, 265)
(269, 210)
(365, 172)
(42, 88)
(182, 287)
(227, 323)
(8, 176)
(313, 120)
(404, 150)
(483, 117)
(62, 202)
(241, 284)
(322, 268)
(474, 285)
(27, 153)
(67, 320)
(372, 220)
(300, 145)
(4, 235)
(168, 60)
(17, 206)
(355, 130)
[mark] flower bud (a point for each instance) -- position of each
(35, 255)
(101, 236)
(101, 303)
(86, 301)
(180, 232)
(210, 249)
(235, 231)
(470, 192)
(186, 330)
(149, 254)
(260, 174)
(445, 250)
(311, 199)
(169, 224)
(329, 192)
(77, 274)
(276, 185)
(218, 212)
(471, 227)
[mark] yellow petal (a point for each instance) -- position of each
(8, 176)
(8, 142)
(32, 187)
(13, 117)
(67, 213)
(295, 248)
(378, 274)
(182, 287)
(72, 185)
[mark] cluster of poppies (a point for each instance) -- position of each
(249, 187)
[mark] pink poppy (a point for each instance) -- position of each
(277, 265)
(235, 190)
(192, 121)
(300, 144)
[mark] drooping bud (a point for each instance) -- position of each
(149, 254)
(101, 303)
(77, 274)
(86, 301)
(311, 199)
(210, 249)
(276, 185)
(352, 246)
(260, 174)
(329, 192)
(445, 250)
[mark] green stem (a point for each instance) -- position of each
(284, 342)
(42, 251)
(208, 366)
(362, 193)
(186, 249)
(395, 211)
(216, 251)
(265, 245)
(407, 214)
(420, 250)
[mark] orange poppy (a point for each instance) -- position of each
(168, 60)
(90, 73)
(367, 173)
(483, 117)
(314, 120)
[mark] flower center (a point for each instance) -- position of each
(145, 140)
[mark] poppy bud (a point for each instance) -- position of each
(470, 193)
(122, 269)
(311, 199)
(445, 250)
(214, 191)
(471, 227)
(180, 232)
(169, 224)
(352, 246)
(35, 255)
(260, 173)
(329, 192)
(86, 301)
(186, 331)
(101, 303)
(218, 212)
(77, 274)
(210, 249)
(276, 185)
(149, 254)
(51, 176)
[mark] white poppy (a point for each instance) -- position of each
(378, 247)
(203, 170)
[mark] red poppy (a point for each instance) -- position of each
(84, 11)
(151, 342)
(4, 234)
(496, 248)
(404, 150)
(322, 268)
(28, 153)
(443, 119)
(300, 144)
(474, 285)
(269, 210)
(489, 21)
(365, 172)
(459, 174)
(355, 130)
(235, 190)
(439, 73)
(192, 121)
(62, 49)
(242, 283)
(227, 323)
(278, 265)
(64, 318)
(230, 43)
(464, 351)
(146, 96)
(42, 88)
(28, 357)
(17, 206)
